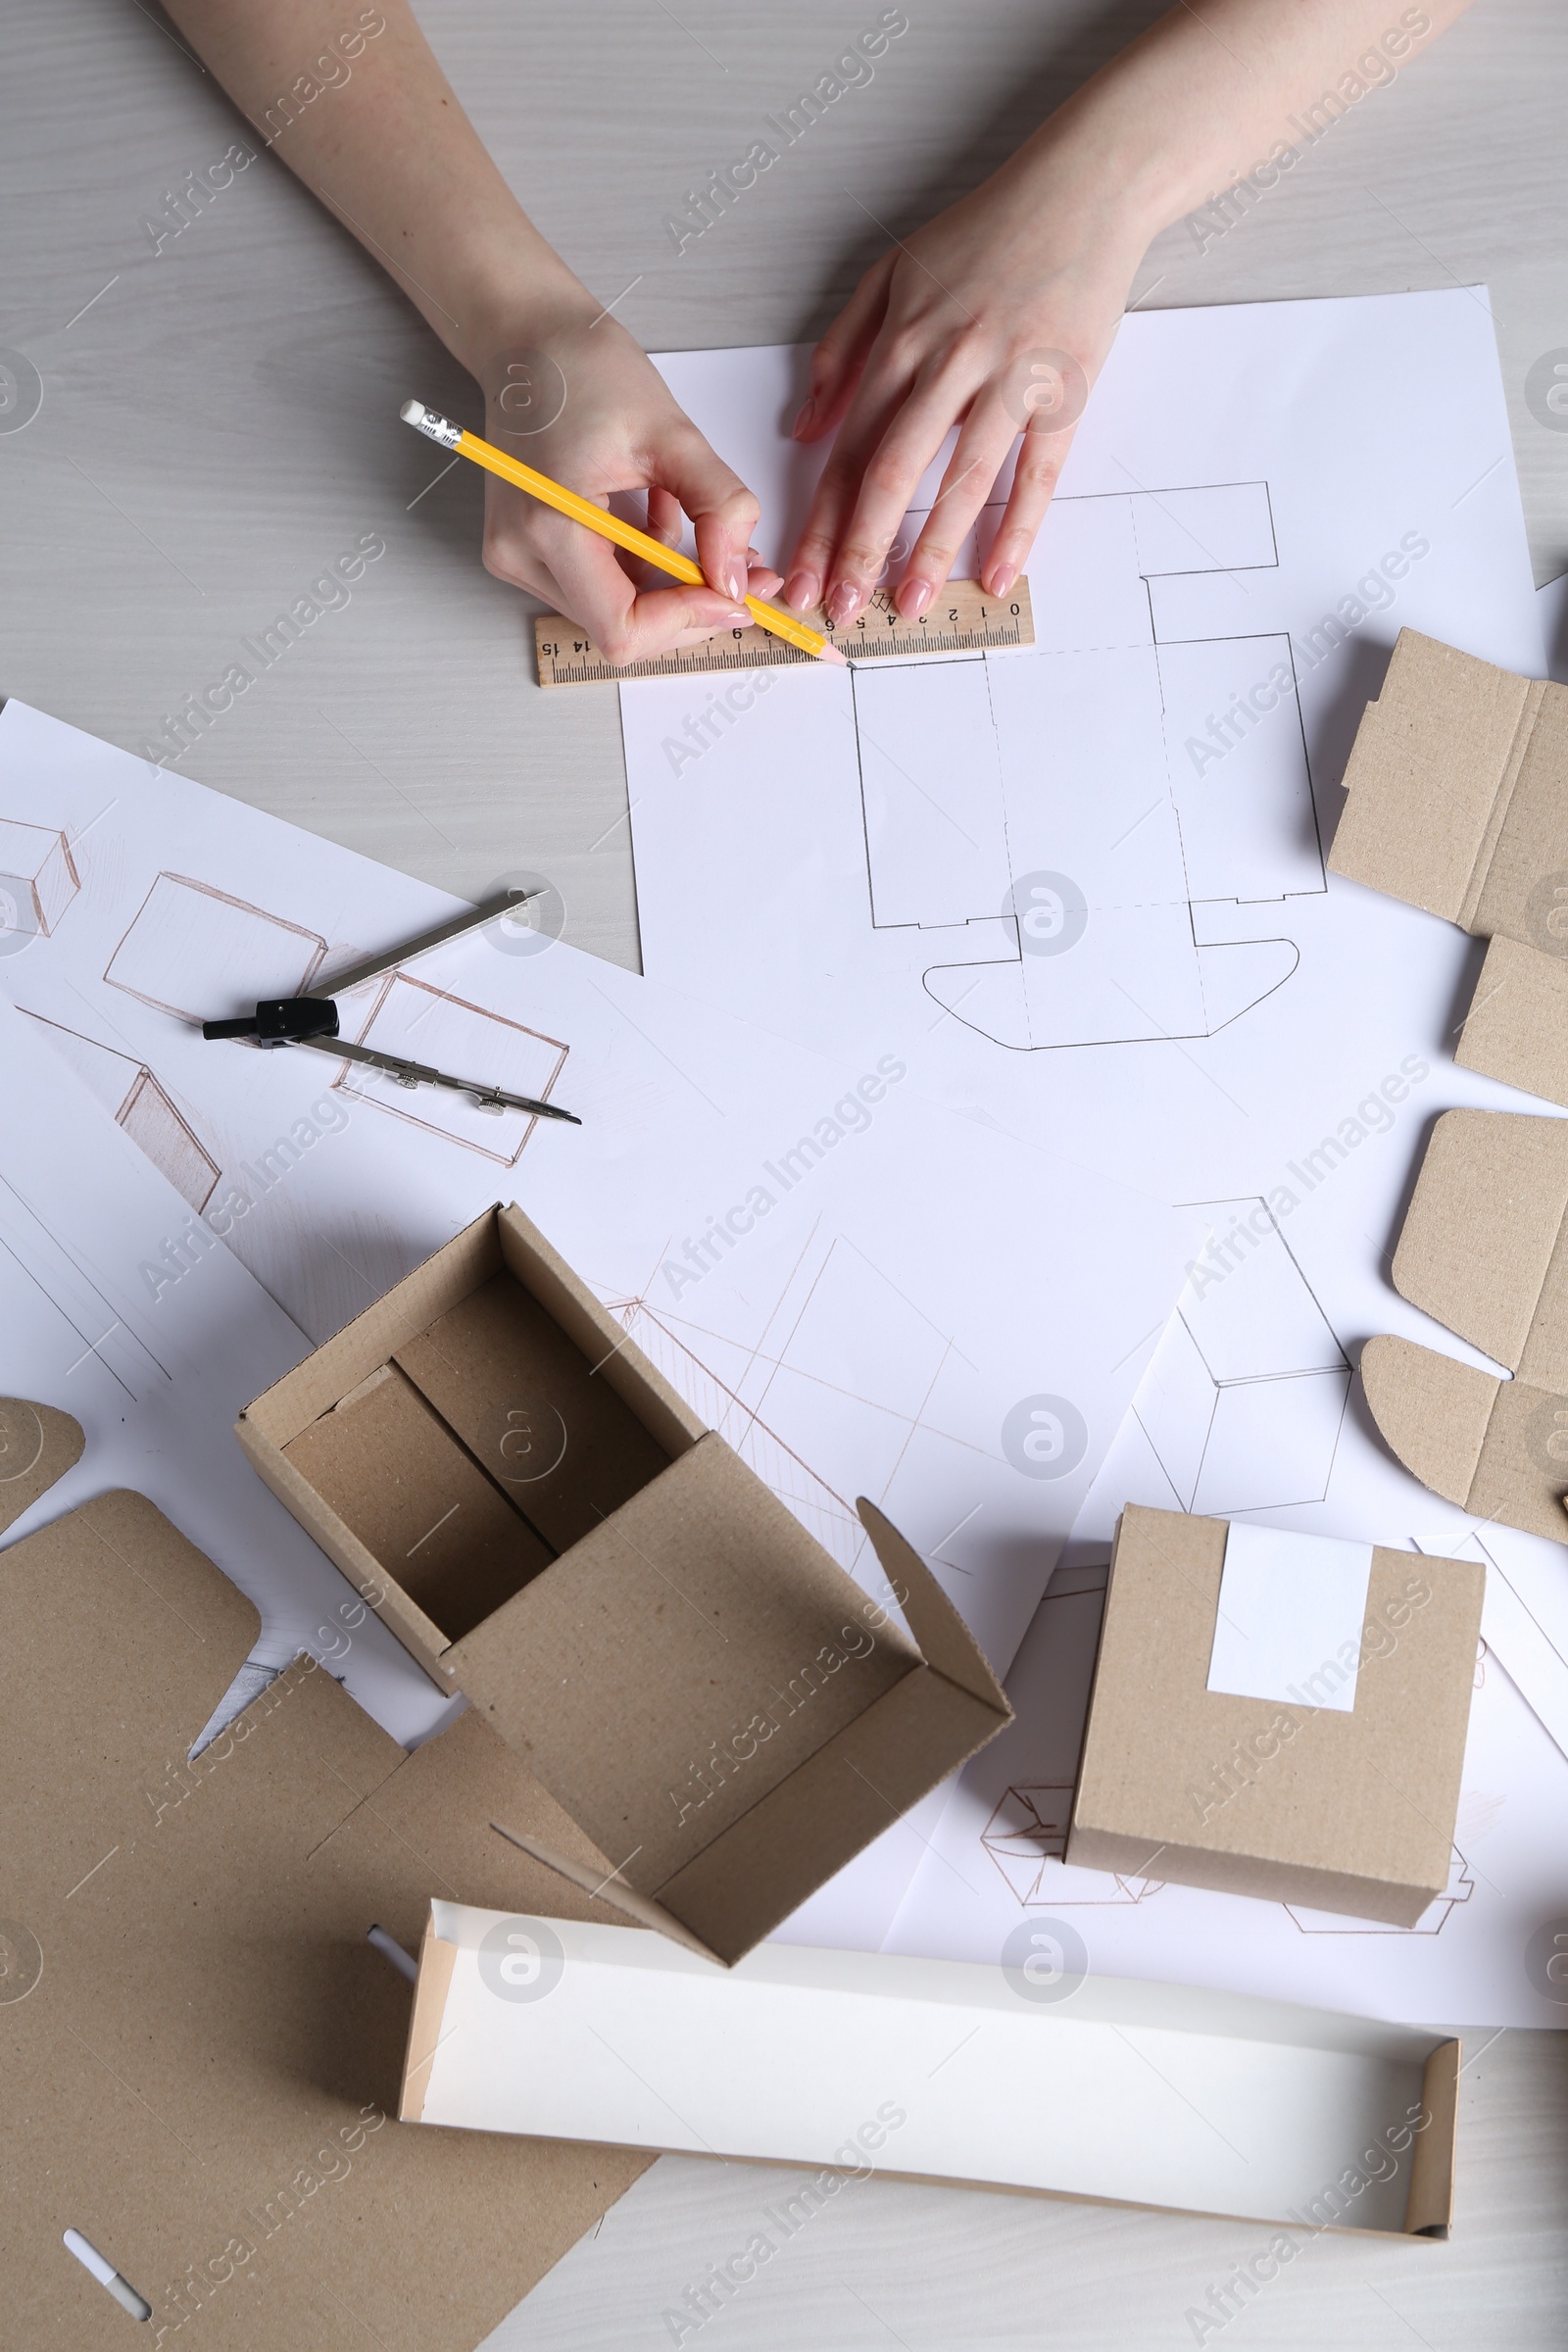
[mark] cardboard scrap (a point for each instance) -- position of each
(38, 1445)
(1348, 1811)
(548, 1527)
(1485, 1250)
(200, 2054)
(1458, 803)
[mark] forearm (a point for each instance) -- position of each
(369, 121)
(1211, 89)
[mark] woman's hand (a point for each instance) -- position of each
(996, 318)
(582, 402)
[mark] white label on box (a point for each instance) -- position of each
(1290, 1613)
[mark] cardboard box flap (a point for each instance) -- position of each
(613, 1357)
(1516, 1030)
(739, 1886)
(710, 1642)
(1433, 782)
(392, 1471)
(1496, 1448)
(199, 2053)
(363, 1346)
(38, 1445)
(1485, 1243)
(1429, 2207)
(945, 1643)
(1433, 1411)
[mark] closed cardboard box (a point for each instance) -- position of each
(1296, 1795)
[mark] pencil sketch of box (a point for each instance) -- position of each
(425, 1024)
(1092, 845)
(194, 951)
(136, 1100)
(1026, 1837)
(1244, 1397)
(38, 879)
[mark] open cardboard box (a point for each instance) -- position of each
(199, 2051)
(1484, 1249)
(1294, 1800)
(1030, 2076)
(548, 1527)
(1458, 803)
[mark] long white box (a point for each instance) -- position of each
(1026, 2075)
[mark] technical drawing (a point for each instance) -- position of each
(1084, 834)
(197, 952)
(1026, 1837)
(427, 1024)
(138, 1101)
(829, 1517)
(1244, 1397)
(38, 879)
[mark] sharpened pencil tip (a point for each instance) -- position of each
(830, 653)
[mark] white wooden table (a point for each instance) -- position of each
(219, 421)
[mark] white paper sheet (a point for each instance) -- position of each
(995, 1858)
(860, 1291)
(156, 1382)
(1076, 908)
(1290, 1605)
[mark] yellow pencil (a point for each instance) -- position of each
(447, 435)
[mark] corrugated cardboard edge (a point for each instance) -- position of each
(437, 1960)
(59, 1445)
(1432, 1412)
(1429, 2207)
(1517, 1027)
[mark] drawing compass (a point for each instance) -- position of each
(312, 1020)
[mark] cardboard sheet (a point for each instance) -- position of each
(863, 1295)
(1484, 1249)
(199, 2051)
(1023, 2076)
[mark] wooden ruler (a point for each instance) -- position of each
(964, 620)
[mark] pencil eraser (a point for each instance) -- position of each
(431, 423)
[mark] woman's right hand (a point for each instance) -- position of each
(570, 392)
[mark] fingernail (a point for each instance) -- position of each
(735, 581)
(739, 620)
(803, 421)
(1003, 578)
(800, 592)
(843, 603)
(913, 598)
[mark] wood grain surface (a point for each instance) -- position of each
(219, 423)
